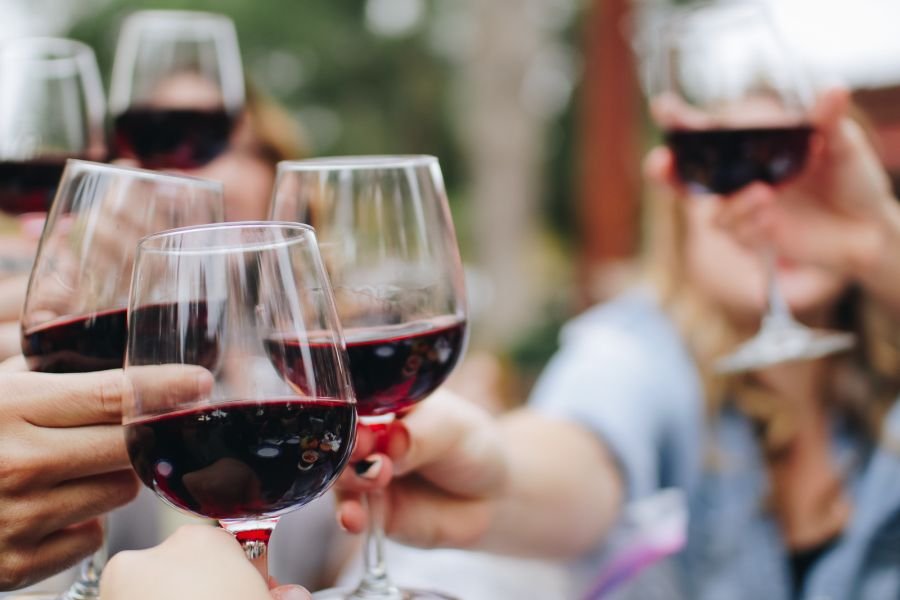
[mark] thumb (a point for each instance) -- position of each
(830, 108)
(830, 117)
(290, 592)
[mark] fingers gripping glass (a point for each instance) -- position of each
(735, 110)
(389, 246)
(265, 418)
(74, 317)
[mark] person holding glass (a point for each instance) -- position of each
(789, 472)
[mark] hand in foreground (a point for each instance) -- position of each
(448, 465)
(63, 463)
(465, 479)
(197, 562)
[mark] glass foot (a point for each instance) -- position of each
(780, 345)
(400, 594)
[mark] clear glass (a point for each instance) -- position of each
(177, 88)
(734, 106)
(388, 242)
(74, 319)
(52, 107)
(247, 305)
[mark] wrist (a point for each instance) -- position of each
(873, 249)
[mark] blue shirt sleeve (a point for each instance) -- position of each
(623, 373)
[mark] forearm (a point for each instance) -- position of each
(563, 489)
(878, 267)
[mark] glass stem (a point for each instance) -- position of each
(375, 581)
(254, 538)
(778, 313)
(87, 586)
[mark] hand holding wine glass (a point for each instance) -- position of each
(74, 318)
(737, 110)
(64, 466)
(388, 243)
(833, 215)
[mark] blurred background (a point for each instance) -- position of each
(533, 106)
(535, 109)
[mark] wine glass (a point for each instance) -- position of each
(52, 107)
(249, 305)
(735, 110)
(74, 319)
(177, 88)
(389, 246)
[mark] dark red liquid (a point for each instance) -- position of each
(722, 161)
(77, 345)
(28, 186)
(96, 342)
(390, 371)
(244, 459)
(172, 138)
(176, 333)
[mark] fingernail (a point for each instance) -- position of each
(398, 441)
(369, 468)
(293, 592)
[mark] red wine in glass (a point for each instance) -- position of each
(722, 161)
(29, 186)
(391, 370)
(94, 342)
(241, 460)
(172, 138)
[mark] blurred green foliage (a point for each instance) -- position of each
(354, 91)
(357, 92)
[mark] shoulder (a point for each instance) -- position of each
(631, 326)
(628, 343)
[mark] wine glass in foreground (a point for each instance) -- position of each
(228, 304)
(74, 315)
(389, 247)
(735, 110)
(177, 88)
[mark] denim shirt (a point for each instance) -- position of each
(624, 373)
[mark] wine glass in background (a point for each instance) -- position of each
(74, 319)
(52, 107)
(177, 88)
(233, 300)
(735, 110)
(389, 246)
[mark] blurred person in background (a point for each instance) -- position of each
(789, 473)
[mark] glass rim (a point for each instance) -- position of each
(67, 48)
(358, 162)
(148, 174)
(305, 233)
(166, 14)
(695, 15)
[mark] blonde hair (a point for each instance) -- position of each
(276, 135)
(863, 384)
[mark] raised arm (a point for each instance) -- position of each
(520, 484)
